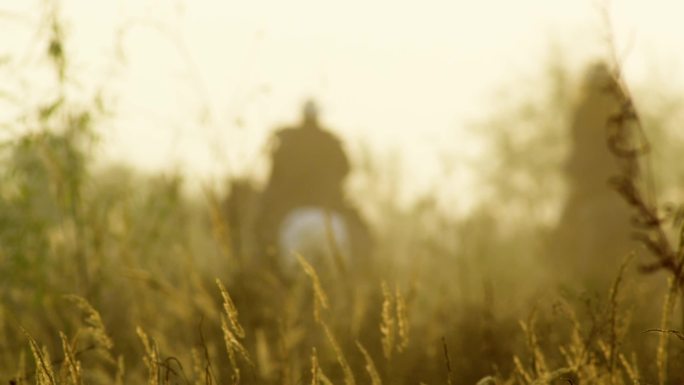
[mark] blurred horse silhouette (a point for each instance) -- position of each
(302, 207)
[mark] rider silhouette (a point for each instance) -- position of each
(308, 168)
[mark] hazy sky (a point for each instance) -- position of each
(199, 84)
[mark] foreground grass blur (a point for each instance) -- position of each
(110, 276)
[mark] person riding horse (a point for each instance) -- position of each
(308, 170)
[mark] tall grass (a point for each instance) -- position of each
(110, 276)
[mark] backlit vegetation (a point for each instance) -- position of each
(109, 276)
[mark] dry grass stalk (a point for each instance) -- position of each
(539, 365)
(447, 362)
(387, 325)
(315, 368)
(231, 310)
(94, 325)
(631, 368)
(566, 375)
(198, 372)
(394, 325)
(71, 365)
(151, 358)
(346, 369)
(324, 379)
(577, 352)
(370, 365)
(320, 298)
(661, 355)
(44, 373)
(120, 370)
(402, 321)
(614, 338)
(520, 370)
(317, 375)
(234, 348)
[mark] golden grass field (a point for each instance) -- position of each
(112, 276)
